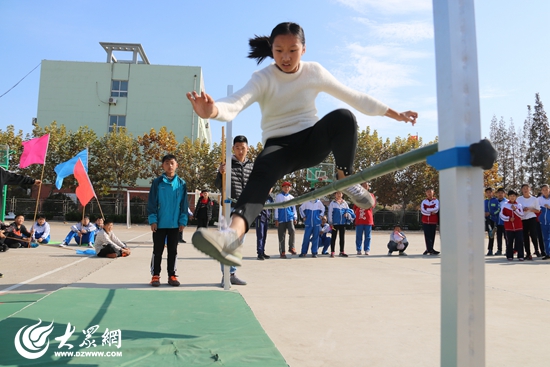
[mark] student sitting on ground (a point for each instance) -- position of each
(82, 232)
(17, 234)
(41, 230)
(398, 241)
(107, 243)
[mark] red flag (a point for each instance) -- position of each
(34, 151)
(85, 191)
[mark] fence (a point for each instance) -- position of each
(116, 208)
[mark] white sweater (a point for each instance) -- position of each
(531, 202)
(287, 101)
(103, 238)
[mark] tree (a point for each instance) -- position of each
(116, 161)
(539, 135)
(518, 148)
(12, 140)
(154, 146)
(198, 164)
(498, 136)
(491, 177)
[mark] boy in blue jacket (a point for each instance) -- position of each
(167, 210)
(312, 211)
(492, 210)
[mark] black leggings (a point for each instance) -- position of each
(338, 229)
(336, 133)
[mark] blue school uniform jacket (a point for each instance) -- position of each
(167, 205)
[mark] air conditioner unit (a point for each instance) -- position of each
(112, 100)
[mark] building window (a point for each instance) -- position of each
(119, 88)
(118, 120)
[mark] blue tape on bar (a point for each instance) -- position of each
(450, 158)
(227, 201)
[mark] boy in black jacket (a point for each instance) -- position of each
(11, 178)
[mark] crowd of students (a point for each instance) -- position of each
(519, 219)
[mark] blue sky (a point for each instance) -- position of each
(384, 48)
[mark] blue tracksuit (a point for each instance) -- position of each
(312, 211)
(544, 219)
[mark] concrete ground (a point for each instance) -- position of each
(359, 311)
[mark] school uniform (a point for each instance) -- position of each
(312, 212)
(514, 228)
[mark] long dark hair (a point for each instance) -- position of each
(260, 46)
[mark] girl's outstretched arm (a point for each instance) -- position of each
(203, 104)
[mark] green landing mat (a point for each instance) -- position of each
(122, 327)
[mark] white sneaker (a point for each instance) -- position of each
(223, 246)
(62, 244)
(360, 197)
(91, 245)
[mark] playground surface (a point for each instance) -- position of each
(372, 310)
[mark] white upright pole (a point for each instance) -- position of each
(227, 206)
(461, 188)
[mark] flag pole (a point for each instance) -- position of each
(39, 190)
(223, 161)
(99, 205)
(40, 186)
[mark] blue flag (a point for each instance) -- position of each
(66, 168)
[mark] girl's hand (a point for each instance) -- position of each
(203, 104)
(409, 116)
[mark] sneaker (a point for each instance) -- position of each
(324, 253)
(91, 245)
(367, 253)
(402, 254)
(489, 253)
(261, 257)
(359, 196)
(236, 281)
(435, 252)
(266, 256)
(389, 253)
(343, 254)
(510, 259)
(302, 255)
(521, 259)
(359, 253)
(292, 251)
(543, 254)
(223, 246)
(498, 253)
(155, 282)
(173, 281)
(332, 254)
(314, 255)
(529, 257)
(546, 257)
(112, 256)
(537, 254)
(283, 256)
(63, 244)
(426, 253)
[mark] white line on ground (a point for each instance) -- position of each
(41, 276)
(53, 271)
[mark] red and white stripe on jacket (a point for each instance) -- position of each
(364, 216)
(508, 210)
(429, 209)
